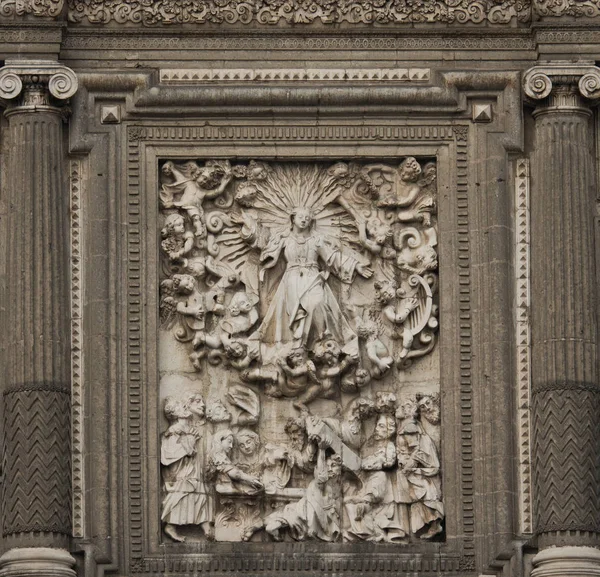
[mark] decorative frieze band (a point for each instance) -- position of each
(297, 12)
(300, 11)
(203, 75)
(42, 8)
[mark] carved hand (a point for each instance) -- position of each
(364, 271)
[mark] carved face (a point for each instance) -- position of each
(363, 378)
(385, 402)
(196, 405)
(363, 408)
(208, 177)
(175, 225)
(297, 436)
(384, 292)
(242, 306)
(334, 467)
(296, 357)
(429, 409)
(248, 443)
(385, 428)
(246, 194)
(378, 231)
(408, 409)
(217, 412)
(302, 219)
(185, 283)
(236, 350)
(410, 169)
(367, 329)
(167, 168)
(339, 169)
(227, 443)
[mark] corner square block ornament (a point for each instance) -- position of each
(299, 373)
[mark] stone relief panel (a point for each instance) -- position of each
(298, 360)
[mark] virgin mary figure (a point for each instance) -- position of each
(304, 309)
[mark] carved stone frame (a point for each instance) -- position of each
(475, 240)
(145, 146)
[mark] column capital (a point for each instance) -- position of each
(580, 80)
(31, 83)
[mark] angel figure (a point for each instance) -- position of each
(193, 185)
(180, 294)
(332, 364)
(294, 374)
(397, 313)
(377, 352)
(177, 242)
(241, 317)
(403, 187)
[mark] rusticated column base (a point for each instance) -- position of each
(37, 562)
(567, 562)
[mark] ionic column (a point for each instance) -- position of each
(36, 492)
(565, 391)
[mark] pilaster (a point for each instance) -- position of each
(36, 329)
(566, 396)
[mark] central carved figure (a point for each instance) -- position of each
(304, 309)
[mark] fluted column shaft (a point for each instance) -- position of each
(36, 492)
(566, 399)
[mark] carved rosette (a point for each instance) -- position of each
(34, 84)
(565, 391)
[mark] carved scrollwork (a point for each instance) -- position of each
(10, 84)
(63, 84)
(272, 12)
(42, 8)
(537, 85)
(539, 82)
(39, 76)
(589, 84)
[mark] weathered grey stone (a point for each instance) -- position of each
(498, 96)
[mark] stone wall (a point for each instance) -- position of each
(315, 282)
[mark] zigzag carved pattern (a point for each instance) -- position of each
(567, 459)
(36, 460)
